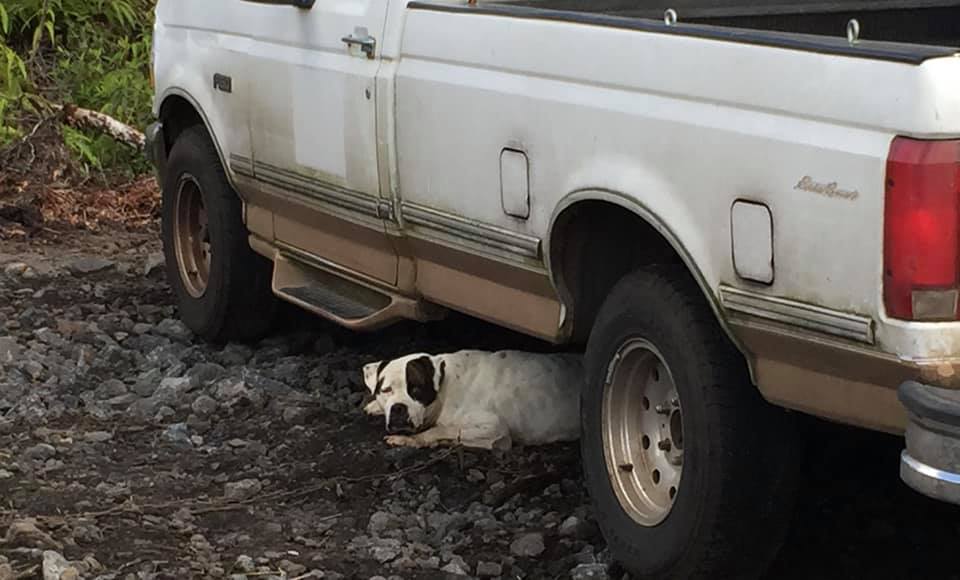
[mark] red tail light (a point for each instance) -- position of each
(921, 269)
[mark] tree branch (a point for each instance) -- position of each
(86, 119)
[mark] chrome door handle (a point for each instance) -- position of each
(366, 42)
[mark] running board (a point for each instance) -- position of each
(347, 302)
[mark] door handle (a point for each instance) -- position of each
(361, 38)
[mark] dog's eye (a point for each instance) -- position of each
(386, 390)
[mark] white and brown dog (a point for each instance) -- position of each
(477, 398)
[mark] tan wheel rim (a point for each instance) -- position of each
(643, 433)
(191, 236)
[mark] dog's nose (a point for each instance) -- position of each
(399, 421)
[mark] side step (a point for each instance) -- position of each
(348, 302)
(341, 305)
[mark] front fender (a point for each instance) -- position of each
(209, 123)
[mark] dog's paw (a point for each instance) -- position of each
(401, 441)
(373, 408)
(502, 443)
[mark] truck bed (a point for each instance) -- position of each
(929, 22)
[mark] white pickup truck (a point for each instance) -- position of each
(737, 209)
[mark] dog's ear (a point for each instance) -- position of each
(371, 374)
(422, 380)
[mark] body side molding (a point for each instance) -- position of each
(799, 314)
(521, 245)
(521, 250)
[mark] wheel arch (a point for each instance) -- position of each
(566, 246)
(179, 110)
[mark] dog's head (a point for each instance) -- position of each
(405, 389)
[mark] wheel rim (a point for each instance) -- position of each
(643, 433)
(191, 236)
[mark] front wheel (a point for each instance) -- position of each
(691, 473)
(222, 287)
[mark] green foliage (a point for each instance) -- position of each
(13, 73)
(4, 21)
(113, 79)
(6, 132)
(92, 53)
(82, 145)
(38, 21)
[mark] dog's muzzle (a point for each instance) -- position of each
(399, 421)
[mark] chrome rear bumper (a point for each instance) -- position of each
(930, 464)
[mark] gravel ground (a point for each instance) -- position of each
(129, 449)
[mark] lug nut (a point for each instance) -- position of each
(665, 445)
(662, 410)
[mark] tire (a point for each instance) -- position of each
(735, 479)
(222, 287)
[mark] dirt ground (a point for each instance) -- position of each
(129, 449)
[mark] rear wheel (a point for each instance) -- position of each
(222, 286)
(692, 474)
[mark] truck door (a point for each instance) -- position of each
(314, 133)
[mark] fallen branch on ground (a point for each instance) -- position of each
(80, 118)
(87, 119)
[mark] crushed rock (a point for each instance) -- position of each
(222, 460)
